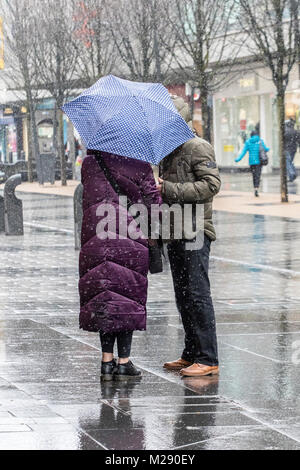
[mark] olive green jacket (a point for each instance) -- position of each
(191, 175)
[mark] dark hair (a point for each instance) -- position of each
(254, 133)
(290, 123)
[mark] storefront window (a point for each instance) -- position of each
(292, 111)
(2, 144)
(235, 119)
(12, 142)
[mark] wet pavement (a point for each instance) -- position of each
(270, 183)
(50, 393)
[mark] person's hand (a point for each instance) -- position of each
(160, 185)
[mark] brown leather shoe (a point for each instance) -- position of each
(199, 370)
(177, 365)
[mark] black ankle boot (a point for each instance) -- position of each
(107, 370)
(126, 371)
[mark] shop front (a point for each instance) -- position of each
(12, 134)
(248, 104)
(292, 111)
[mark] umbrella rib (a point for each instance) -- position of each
(136, 99)
(155, 85)
(105, 122)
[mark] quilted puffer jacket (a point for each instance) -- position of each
(191, 176)
(113, 271)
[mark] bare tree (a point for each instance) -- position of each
(56, 57)
(203, 54)
(21, 72)
(137, 28)
(98, 54)
(271, 26)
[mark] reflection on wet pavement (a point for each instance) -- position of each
(50, 393)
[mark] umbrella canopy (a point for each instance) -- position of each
(132, 119)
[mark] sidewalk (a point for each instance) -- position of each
(236, 201)
(237, 196)
(266, 204)
(47, 188)
(50, 393)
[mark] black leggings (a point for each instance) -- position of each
(256, 173)
(124, 340)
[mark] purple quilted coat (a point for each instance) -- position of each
(113, 272)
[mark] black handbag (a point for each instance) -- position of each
(263, 157)
(155, 251)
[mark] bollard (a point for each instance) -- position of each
(2, 225)
(78, 215)
(13, 207)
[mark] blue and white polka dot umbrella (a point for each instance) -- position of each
(133, 119)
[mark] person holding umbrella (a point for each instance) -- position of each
(189, 176)
(125, 126)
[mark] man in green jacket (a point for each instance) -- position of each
(189, 175)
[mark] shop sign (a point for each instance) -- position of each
(196, 94)
(6, 121)
(228, 148)
(247, 83)
(47, 103)
(243, 124)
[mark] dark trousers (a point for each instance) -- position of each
(256, 174)
(124, 340)
(194, 302)
(290, 167)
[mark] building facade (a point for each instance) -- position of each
(14, 129)
(248, 103)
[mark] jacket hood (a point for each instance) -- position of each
(183, 109)
(254, 138)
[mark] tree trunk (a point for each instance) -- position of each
(35, 154)
(282, 156)
(30, 150)
(54, 137)
(206, 115)
(61, 147)
(192, 102)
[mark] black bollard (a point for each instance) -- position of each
(13, 207)
(78, 213)
(2, 225)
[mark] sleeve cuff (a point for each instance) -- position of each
(169, 191)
